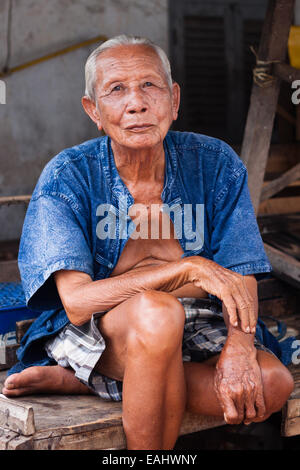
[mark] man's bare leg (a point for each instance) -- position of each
(202, 398)
(143, 348)
(145, 334)
(153, 402)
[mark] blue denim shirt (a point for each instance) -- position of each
(63, 221)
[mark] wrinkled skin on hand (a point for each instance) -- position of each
(238, 383)
(228, 286)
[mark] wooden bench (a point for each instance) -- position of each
(61, 422)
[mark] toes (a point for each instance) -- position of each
(10, 382)
(9, 385)
(16, 392)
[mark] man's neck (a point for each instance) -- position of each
(134, 166)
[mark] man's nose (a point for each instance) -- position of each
(136, 102)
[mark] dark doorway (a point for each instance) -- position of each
(212, 61)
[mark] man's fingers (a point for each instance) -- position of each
(250, 302)
(244, 305)
(230, 411)
(249, 389)
(231, 308)
(239, 307)
(260, 404)
(239, 402)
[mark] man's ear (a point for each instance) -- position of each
(91, 110)
(175, 99)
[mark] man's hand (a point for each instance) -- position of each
(238, 382)
(228, 286)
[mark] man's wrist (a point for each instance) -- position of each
(186, 267)
(235, 335)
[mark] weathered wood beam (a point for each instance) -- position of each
(263, 102)
(21, 328)
(16, 416)
(284, 266)
(286, 115)
(279, 183)
(286, 72)
(7, 200)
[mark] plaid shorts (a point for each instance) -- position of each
(80, 347)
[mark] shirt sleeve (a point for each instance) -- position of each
(236, 242)
(54, 237)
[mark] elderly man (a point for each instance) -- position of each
(163, 320)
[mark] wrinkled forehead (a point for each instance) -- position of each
(134, 59)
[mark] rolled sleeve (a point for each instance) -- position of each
(236, 242)
(54, 237)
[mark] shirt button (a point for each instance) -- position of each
(49, 326)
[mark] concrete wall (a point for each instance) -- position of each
(43, 113)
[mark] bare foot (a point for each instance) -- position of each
(44, 379)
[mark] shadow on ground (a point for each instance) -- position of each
(256, 436)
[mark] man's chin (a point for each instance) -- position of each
(140, 141)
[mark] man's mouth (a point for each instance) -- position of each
(139, 127)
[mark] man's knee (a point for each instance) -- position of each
(278, 384)
(156, 322)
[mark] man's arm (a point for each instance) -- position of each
(238, 380)
(81, 296)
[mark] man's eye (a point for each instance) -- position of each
(116, 88)
(148, 84)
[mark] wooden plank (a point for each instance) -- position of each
(272, 288)
(114, 436)
(85, 422)
(7, 200)
(20, 442)
(5, 437)
(263, 102)
(298, 122)
(282, 157)
(277, 307)
(290, 191)
(16, 416)
(291, 427)
(284, 266)
(280, 205)
(99, 439)
(293, 368)
(276, 223)
(279, 183)
(10, 356)
(285, 242)
(21, 328)
(66, 414)
(286, 72)
(293, 408)
(286, 115)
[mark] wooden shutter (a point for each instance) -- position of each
(212, 61)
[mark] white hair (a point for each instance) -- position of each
(122, 40)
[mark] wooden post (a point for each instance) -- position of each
(263, 103)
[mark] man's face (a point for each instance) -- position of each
(135, 105)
